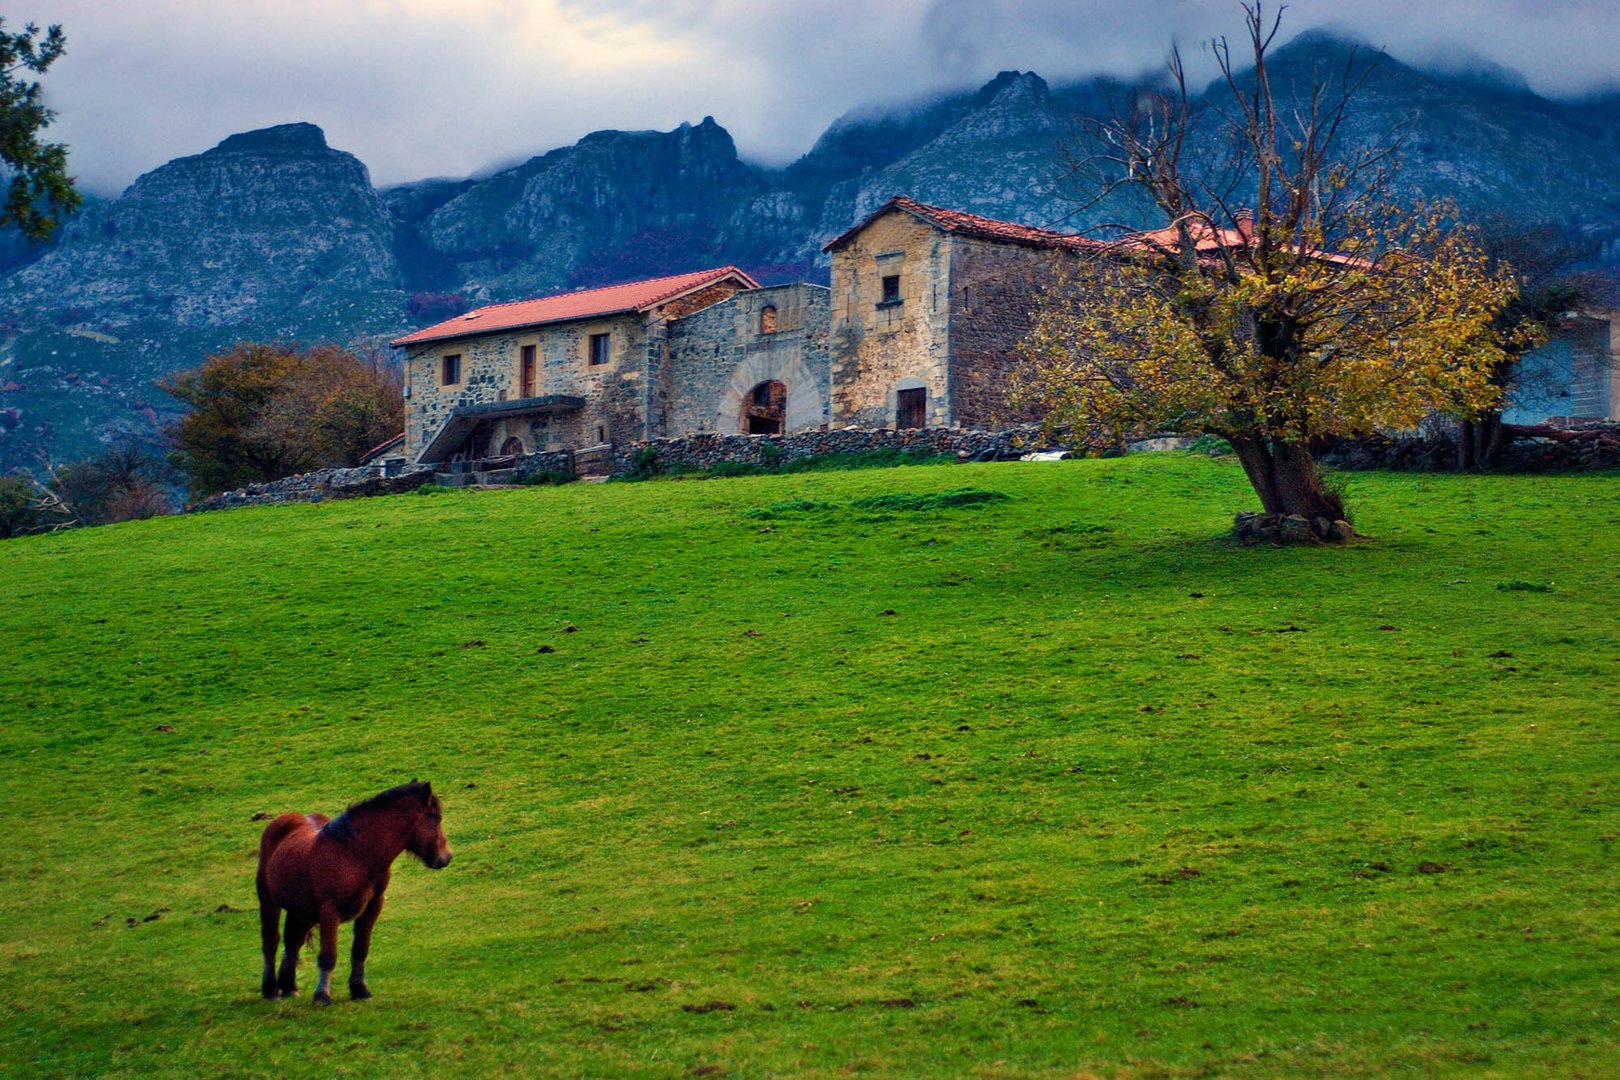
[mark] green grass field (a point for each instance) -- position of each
(843, 773)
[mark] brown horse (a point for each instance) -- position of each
(323, 872)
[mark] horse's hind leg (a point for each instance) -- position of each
(293, 938)
(268, 934)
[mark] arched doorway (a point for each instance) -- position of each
(764, 408)
(512, 447)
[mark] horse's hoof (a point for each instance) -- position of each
(323, 999)
(270, 990)
(358, 991)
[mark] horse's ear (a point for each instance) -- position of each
(427, 791)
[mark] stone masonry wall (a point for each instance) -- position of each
(717, 356)
(994, 289)
(1599, 448)
(877, 346)
(319, 486)
(490, 372)
(707, 450)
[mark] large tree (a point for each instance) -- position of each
(39, 190)
(263, 411)
(1287, 297)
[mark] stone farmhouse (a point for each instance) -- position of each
(920, 328)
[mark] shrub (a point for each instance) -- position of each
(724, 469)
(260, 412)
(643, 464)
(545, 478)
(1211, 445)
(1521, 585)
(125, 483)
(944, 500)
(19, 507)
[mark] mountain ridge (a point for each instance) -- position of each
(274, 233)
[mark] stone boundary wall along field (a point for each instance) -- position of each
(1583, 446)
(704, 451)
(318, 486)
(1598, 447)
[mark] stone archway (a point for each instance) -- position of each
(804, 399)
(512, 447)
(764, 409)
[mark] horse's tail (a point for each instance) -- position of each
(274, 833)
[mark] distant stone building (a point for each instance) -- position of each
(561, 372)
(929, 306)
(1574, 378)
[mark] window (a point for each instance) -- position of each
(600, 346)
(450, 369)
(911, 408)
(526, 372)
(891, 290)
(601, 434)
(767, 319)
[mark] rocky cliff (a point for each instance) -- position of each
(616, 205)
(275, 234)
(269, 228)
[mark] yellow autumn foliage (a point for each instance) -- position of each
(1261, 334)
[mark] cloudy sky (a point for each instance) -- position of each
(421, 88)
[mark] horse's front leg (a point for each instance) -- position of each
(362, 946)
(328, 956)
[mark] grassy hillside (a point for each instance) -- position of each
(837, 773)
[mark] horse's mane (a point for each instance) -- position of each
(389, 797)
(342, 828)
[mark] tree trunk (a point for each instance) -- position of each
(1480, 444)
(1285, 476)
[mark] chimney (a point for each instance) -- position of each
(1244, 219)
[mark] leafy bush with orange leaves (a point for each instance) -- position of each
(261, 411)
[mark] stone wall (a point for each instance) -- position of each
(614, 392)
(718, 355)
(319, 486)
(708, 450)
(876, 345)
(994, 289)
(1597, 448)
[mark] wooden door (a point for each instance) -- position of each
(911, 408)
(526, 378)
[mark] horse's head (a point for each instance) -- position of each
(426, 840)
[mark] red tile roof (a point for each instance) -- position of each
(1209, 240)
(587, 303)
(1206, 239)
(964, 224)
(1169, 239)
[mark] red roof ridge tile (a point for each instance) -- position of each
(968, 224)
(594, 289)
